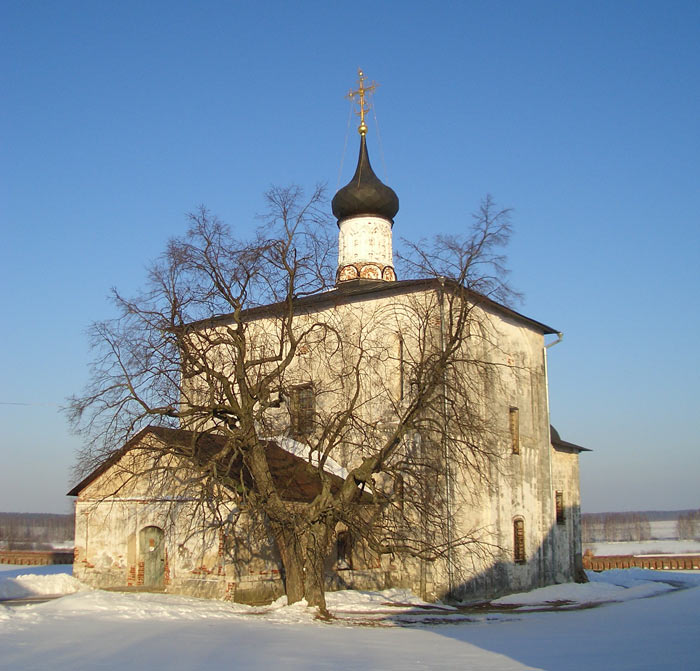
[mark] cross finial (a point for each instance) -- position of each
(358, 95)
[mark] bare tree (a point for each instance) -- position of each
(688, 525)
(232, 339)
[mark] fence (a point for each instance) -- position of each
(659, 563)
(36, 557)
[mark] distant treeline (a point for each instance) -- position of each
(653, 515)
(597, 527)
(34, 531)
(601, 527)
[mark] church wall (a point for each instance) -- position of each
(567, 530)
(519, 486)
(389, 329)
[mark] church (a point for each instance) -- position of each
(435, 389)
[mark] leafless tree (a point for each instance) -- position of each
(229, 339)
(688, 525)
(615, 527)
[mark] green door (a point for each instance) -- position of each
(152, 556)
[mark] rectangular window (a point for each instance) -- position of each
(559, 504)
(399, 491)
(519, 541)
(514, 423)
(302, 409)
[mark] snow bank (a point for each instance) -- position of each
(31, 585)
(614, 585)
(592, 592)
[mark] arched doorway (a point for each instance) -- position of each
(152, 551)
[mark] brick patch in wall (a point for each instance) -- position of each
(166, 574)
(230, 591)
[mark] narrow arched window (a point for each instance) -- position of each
(519, 541)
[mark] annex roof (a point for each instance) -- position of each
(296, 479)
(558, 443)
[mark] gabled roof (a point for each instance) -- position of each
(362, 289)
(295, 478)
(558, 443)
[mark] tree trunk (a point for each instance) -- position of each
(317, 548)
(303, 554)
(293, 571)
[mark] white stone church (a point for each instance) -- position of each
(523, 515)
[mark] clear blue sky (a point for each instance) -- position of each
(119, 118)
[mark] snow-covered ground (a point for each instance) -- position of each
(664, 529)
(657, 547)
(93, 629)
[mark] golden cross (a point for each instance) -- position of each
(360, 94)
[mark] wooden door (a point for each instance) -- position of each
(153, 556)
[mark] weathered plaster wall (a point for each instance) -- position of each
(567, 536)
(382, 337)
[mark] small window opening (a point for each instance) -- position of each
(514, 423)
(519, 541)
(344, 550)
(559, 504)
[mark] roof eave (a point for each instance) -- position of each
(355, 290)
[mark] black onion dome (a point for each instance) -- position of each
(365, 194)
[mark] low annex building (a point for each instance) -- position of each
(127, 538)
(512, 526)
